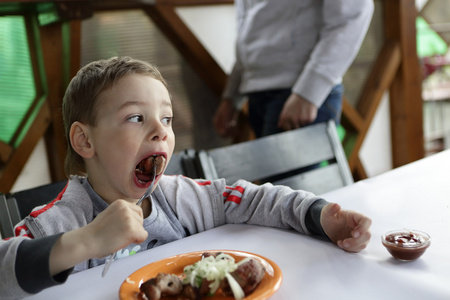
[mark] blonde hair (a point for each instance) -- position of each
(79, 101)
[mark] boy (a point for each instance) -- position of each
(118, 122)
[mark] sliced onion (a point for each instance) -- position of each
(238, 293)
(213, 269)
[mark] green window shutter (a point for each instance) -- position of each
(17, 87)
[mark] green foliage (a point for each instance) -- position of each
(429, 43)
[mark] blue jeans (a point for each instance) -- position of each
(265, 108)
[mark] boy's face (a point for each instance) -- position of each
(134, 122)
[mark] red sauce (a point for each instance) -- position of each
(406, 245)
(406, 239)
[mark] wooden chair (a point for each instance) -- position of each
(309, 158)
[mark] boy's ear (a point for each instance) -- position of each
(80, 140)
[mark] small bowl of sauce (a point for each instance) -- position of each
(406, 245)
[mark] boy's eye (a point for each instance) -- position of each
(167, 120)
(135, 119)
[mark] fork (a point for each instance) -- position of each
(147, 193)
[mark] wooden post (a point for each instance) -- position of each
(406, 103)
(356, 121)
(52, 51)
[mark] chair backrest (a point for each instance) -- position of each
(6, 226)
(309, 158)
(16, 206)
(184, 163)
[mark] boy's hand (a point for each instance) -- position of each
(350, 230)
(116, 227)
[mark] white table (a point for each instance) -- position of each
(414, 196)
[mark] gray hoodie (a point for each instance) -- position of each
(180, 207)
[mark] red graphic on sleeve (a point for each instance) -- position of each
(233, 194)
(23, 230)
(207, 182)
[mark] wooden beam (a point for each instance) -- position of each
(378, 81)
(380, 78)
(360, 172)
(352, 115)
(405, 92)
(193, 2)
(20, 156)
(75, 48)
(5, 152)
(127, 4)
(52, 51)
(165, 17)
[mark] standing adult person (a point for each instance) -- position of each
(291, 56)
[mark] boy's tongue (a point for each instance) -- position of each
(144, 170)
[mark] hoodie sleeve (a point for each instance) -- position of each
(231, 90)
(24, 266)
(345, 25)
(204, 204)
(273, 206)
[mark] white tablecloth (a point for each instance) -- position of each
(416, 196)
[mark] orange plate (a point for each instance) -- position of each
(175, 265)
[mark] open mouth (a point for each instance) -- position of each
(144, 169)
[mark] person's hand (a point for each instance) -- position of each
(225, 119)
(116, 227)
(296, 112)
(350, 230)
(119, 225)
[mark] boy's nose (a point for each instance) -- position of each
(158, 132)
